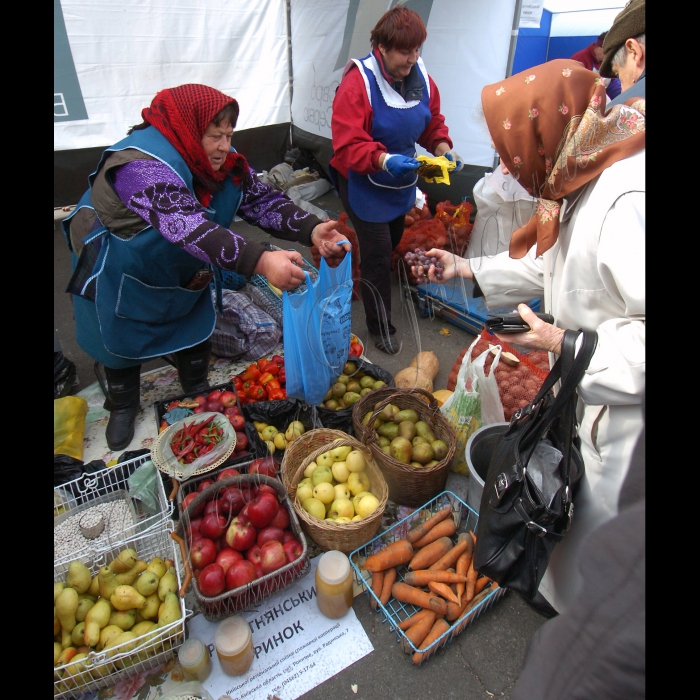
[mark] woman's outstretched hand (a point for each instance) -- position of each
(453, 266)
(281, 268)
(326, 238)
(541, 336)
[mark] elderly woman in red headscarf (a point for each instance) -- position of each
(149, 231)
(583, 251)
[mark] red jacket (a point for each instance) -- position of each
(587, 57)
(351, 125)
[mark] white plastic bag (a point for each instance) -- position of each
(474, 402)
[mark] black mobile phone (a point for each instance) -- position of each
(200, 279)
(512, 323)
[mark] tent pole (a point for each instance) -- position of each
(288, 4)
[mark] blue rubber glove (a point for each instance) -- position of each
(398, 165)
(455, 158)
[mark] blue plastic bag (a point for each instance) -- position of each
(316, 332)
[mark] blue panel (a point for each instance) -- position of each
(567, 46)
(529, 51)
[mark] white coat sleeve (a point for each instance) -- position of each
(508, 282)
(616, 374)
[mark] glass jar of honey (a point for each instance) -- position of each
(194, 660)
(334, 580)
(234, 645)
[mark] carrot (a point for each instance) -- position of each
(423, 577)
(450, 559)
(471, 581)
(413, 619)
(480, 584)
(462, 567)
(418, 632)
(463, 618)
(446, 528)
(443, 590)
(439, 628)
(429, 554)
(415, 596)
(394, 554)
(389, 580)
(423, 528)
(377, 581)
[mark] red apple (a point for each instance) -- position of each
(195, 574)
(293, 549)
(281, 519)
(240, 535)
(213, 507)
(203, 484)
(267, 466)
(288, 535)
(262, 509)
(194, 527)
(253, 554)
(269, 533)
(214, 526)
(201, 400)
(227, 398)
(226, 473)
(239, 574)
(237, 421)
(188, 499)
(202, 552)
(273, 556)
(200, 409)
(212, 580)
(214, 395)
(241, 441)
(266, 488)
(227, 556)
(232, 500)
(214, 406)
(235, 410)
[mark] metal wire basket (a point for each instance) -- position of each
(394, 612)
(106, 667)
(102, 491)
(216, 608)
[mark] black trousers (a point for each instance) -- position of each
(377, 242)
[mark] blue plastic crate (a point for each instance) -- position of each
(454, 301)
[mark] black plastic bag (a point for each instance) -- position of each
(66, 468)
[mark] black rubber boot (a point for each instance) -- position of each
(122, 402)
(193, 368)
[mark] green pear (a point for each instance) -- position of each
(78, 577)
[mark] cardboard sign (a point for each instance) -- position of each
(296, 647)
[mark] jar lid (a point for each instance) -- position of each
(191, 652)
(232, 635)
(333, 567)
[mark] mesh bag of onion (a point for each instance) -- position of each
(518, 384)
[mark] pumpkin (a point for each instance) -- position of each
(428, 362)
(413, 377)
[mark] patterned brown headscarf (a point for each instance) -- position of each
(182, 114)
(550, 128)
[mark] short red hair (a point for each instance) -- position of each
(399, 28)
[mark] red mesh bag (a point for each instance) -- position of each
(424, 234)
(456, 222)
(518, 385)
(345, 230)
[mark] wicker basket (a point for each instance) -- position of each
(326, 534)
(408, 485)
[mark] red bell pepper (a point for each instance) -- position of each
(255, 393)
(282, 376)
(252, 372)
(237, 383)
(266, 377)
(278, 359)
(276, 394)
(272, 384)
(272, 368)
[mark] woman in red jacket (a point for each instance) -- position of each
(386, 103)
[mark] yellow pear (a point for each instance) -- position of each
(342, 508)
(58, 586)
(57, 649)
(97, 617)
(128, 577)
(340, 453)
(171, 610)
(294, 430)
(324, 492)
(124, 561)
(367, 505)
(304, 491)
(279, 441)
(66, 655)
(355, 461)
(343, 519)
(66, 607)
(355, 518)
(107, 633)
(107, 582)
(78, 577)
(126, 597)
(325, 460)
(167, 584)
(125, 619)
(157, 566)
(314, 507)
(77, 635)
(56, 623)
(84, 604)
(66, 640)
(310, 469)
(94, 589)
(340, 471)
(147, 583)
(322, 474)
(342, 491)
(142, 627)
(358, 497)
(150, 612)
(76, 671)
(357, 482)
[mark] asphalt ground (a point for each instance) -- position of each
(482, 662)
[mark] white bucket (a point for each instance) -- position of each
(478, 455)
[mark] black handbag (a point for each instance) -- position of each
(517, 529)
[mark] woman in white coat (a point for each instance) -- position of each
(583, 252)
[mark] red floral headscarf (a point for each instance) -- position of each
(550, 128)
(182, 114)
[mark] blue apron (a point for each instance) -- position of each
(142, 309)
(381, 197)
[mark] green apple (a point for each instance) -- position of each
(324, 492)
(325, 459)
(269, 432)
(355, 461)
(314, 507)
(340, 453)
(322, 474)
(358, 497)
(342, 491)
(310, 469)
(340, 472)
(294, 430)
(343, 508)
(368, 504)
(357, 482)
(304, 492)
